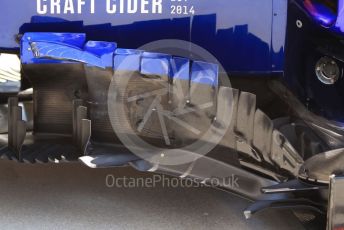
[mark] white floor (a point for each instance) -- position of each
(72, 196)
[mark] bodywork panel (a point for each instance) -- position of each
(245, 36)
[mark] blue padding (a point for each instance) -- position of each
(155, 64)
(205, 73)
(180, 68)
(127, 60)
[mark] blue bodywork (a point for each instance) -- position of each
(57, 48)
(245, 36)
(62, 47)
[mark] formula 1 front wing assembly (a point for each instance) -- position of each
(100, 104)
